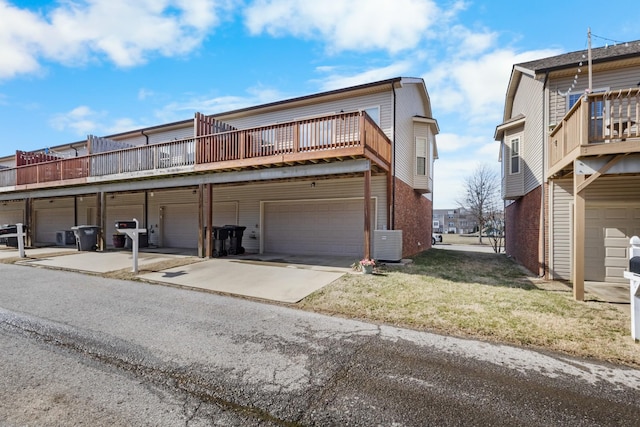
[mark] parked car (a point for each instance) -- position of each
(436, 238)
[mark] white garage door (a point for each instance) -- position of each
(48, 221)
(607, 235)
(122, 213)
(180, 226)
(323, 227)
(11, 216)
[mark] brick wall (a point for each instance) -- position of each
(412, 216)
(522, 224)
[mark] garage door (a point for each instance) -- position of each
(122, 213)
(607, 235)
(323, 227)
(180, 226)
(11, 216)
(181, 222)
(48, 221)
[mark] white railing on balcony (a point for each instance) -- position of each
(7, 177)
(147, 157)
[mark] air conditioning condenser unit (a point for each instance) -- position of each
(387, 245)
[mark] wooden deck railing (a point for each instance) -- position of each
(144, 158)
(606, 117)
(55, 170)
(7, 177)
(335, 136)
(313, 138)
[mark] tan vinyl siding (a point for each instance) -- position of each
(159, 136)
(11, 212)
(528, 101)
(614, 189)
(250, 196)
(560, 229)
(622, 78)
(381, 99)
(409, 103)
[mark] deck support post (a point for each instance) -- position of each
(201, 248)
(578, 237)
(367, 214)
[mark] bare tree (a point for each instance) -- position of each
(481, 196)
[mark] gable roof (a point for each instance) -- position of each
(569, 60)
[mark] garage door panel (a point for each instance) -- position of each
(180, 226)
(606, 241)
(123, 213)
(322, 227)
(11, 216)
(48, 221)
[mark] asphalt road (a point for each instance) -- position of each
(83, 350)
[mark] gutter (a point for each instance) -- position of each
(543, 268)
(393, 176)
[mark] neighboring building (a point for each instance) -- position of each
(570, 163)
(316, 174)
(454, 221)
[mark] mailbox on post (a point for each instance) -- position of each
(130, 228)
(128, 225)
(633, 274)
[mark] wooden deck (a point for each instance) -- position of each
(599, 124)
(323, 139)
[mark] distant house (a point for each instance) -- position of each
(454, 221)
(319, 174)
(569, 145)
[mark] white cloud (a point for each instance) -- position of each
(82, 121)
(185, 109)
(122, 31)
(476, 85)
(360, 25)
(337, 80)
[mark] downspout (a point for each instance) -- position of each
(393, 176)
(543, 268)
(146, 193)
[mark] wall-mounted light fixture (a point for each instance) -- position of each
(313, 184)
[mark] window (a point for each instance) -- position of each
(421, 156)
(515, 155)
(374, 113)
(596, 112)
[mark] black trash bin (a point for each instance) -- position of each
(220, 236)
(9, 229)
(235, 239)
(86, 237)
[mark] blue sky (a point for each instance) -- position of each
(72, 68)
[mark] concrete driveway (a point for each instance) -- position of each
(276, 281)
(281, 278)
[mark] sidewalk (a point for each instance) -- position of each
(249, 276)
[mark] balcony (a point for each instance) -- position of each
(597, 125)
(322, 139)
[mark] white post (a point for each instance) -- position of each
(20, 236)
(134, 247)
(634, 285)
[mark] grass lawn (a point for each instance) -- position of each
(484, 296)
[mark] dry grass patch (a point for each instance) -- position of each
(486, 296)
(127, 274)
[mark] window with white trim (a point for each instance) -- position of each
(421, 156)
(374, 113)
(515, 155)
